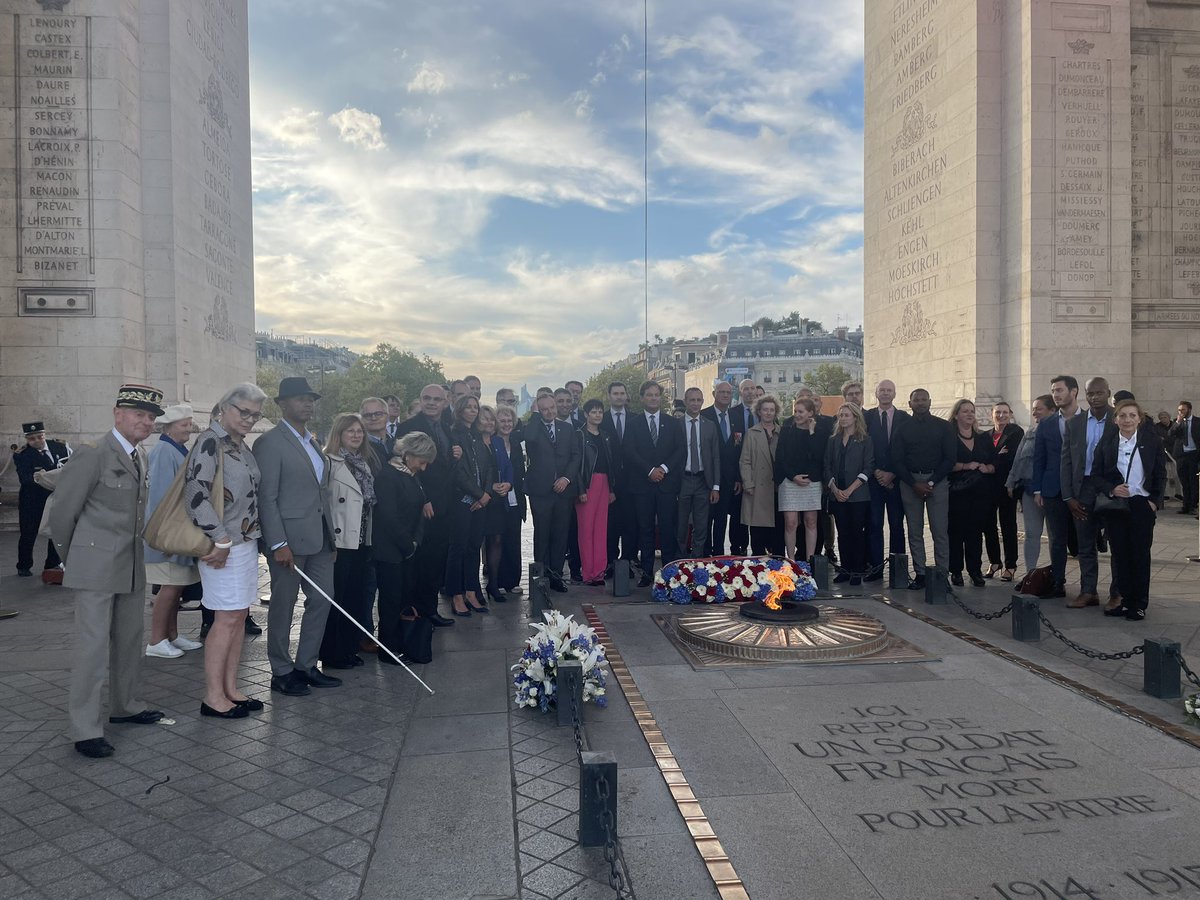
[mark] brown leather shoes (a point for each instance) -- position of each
(1084, 600)
(1114, 603)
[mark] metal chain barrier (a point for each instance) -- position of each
(614, 854)
(987, 617)
(1187, 670)
(1089, 653)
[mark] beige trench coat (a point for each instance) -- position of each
(758, 477)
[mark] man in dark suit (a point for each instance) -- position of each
(1046, 478)
(297, 530)
(1186, 435)
(38, 455)
(622, 519)
(1080, 439)
(564, 407)
(742, 418)
(374, 413)
(700, 486)
(576, 416)
(882, 422)
(552, 458)
(731, 477)
(437, 481)
(654, 454)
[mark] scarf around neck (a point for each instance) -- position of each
(362, 474)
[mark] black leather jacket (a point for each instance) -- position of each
(588, 450)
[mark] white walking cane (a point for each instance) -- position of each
(399, 662)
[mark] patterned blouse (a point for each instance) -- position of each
(240, 477)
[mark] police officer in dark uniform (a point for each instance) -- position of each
(39, 455)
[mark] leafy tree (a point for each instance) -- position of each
(827, 378)
(631, 375)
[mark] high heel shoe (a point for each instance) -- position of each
(482, 608)
(992, 570)
(1008, 575)
(454, 606)
(495, 596)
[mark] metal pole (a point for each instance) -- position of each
(382, 647)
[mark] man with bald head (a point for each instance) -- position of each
(885, 492)
(1080, 438)
(741, 415)
(438, 483)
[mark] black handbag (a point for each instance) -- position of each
(1114, 506)
(418, 640)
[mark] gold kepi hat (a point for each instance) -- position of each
(140, 396)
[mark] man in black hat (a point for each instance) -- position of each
(39, 455)
(297, 530)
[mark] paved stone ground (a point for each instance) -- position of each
(375, 790)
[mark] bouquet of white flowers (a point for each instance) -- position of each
(1191, 706)
(560, 638)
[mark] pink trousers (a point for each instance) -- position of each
(592, 518)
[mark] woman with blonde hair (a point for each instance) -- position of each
(849, 465)
(229, 572)
(352, 470)
(758, 476)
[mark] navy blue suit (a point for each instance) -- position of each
(884, 500)
(731, 474)
(657, 505)
(1046, 480)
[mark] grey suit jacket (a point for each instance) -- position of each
(293, 506)
(709, 438)
(1073, 460)
(97, 516)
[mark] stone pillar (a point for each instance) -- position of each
(125, 249)
(1019, 196)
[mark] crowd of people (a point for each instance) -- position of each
(399, 508)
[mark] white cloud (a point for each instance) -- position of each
(428, 80)
(356, 126)
(296, 127)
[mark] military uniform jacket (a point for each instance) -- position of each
(97, 517)
(29, 461)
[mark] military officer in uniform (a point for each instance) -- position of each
(96, 523)
(38, 455)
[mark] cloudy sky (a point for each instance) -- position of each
(465, 178)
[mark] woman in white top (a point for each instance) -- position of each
(1130, 465)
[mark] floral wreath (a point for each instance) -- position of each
(560, 638)
(736, 578)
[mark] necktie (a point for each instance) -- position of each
(724, 426)
(391, 429)
(694, 450)
(621, 426)
(550, 431)
(50, 457)
(137, 465)
(887, 426)
(654, 429)
(749, 419)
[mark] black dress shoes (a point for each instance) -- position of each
(250, 704)
(557, 585)
(1059, 592)
(234, 712)
(145, 717)
(314, 677)
(977, 579)
(440, 621)
(94, 748)
(290, 685)
(1117, 611)
(25, 573)
(917, 584)
(252, 627)
(1135, 615)
(956, 579)
(645, 581)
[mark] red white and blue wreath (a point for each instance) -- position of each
(736, 578)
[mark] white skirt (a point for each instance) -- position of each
(169, 573)
(235, 585)
(794, 498)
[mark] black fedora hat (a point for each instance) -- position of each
(295, 386)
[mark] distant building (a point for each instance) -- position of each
(781, 363)
(302, 355)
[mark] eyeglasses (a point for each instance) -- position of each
(374, 415)
(247, 414)
(425, 398)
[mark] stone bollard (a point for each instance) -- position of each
(621, 578)
(539, 596)
(536, 570)
(568, 684)
(595, 799)
(1160, 677)
(898, 571)
(820, 571)
(1026, 626)
(937, 587)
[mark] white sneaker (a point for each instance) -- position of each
(163, 649)
(182, 643)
